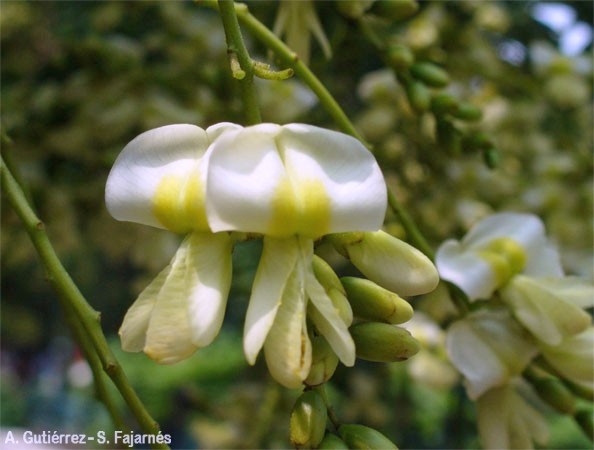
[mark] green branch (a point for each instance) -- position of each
(72, 301)
(239, 55)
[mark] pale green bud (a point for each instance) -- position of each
(418, 95)
(381, 342)
(323, 362)
(430, 74)
(362, 437)
(332, 442)
(308, 420)
(396, 9)
(400, 57)
(354, 8)
(372, 302)
(333, 287)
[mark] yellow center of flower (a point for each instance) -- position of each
(506, 257)
(179, 204)
(302, 209)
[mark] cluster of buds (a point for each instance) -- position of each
(532, 327)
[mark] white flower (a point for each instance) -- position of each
(496, 249)
(293, 184)
(506, 420)
(488, 348)
(159, 179)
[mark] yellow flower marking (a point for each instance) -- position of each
(506, 257)
(303, 209)
(179, 204)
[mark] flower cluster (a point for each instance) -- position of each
(534, 309)
(291, 184)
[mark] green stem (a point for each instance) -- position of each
(72, 300)
(236, 46)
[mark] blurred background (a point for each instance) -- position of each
(80, 79)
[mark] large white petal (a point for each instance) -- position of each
(467, 270)
(288, 348)
(277, 263)
(332, 170)
(548, 316)
(245, 172)
(525, 229)
(209, 274)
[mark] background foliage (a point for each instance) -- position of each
(80, 79)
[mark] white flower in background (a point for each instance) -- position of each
(494, 250)
(506, 420)
(489, 349)
(297, 20)
(159, 179)
(293, 184)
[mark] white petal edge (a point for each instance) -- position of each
(278, 261)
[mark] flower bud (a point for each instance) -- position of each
(362, 437)
(476, 141)
(430, 74)
(396, 9)
(467, 111)
(443, 104)
(381, 342)
(400, 57)
(449, 136)
(585, 419)
(308, 421)
(353, 9)
(555, 394)
(491, 157)
(372, 302)
(323, 362)
(418, 96)
(332, 442)
(333, 287)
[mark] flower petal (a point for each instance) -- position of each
(288, 348)
(159, 178)
(392, 263)
(277, 264)
(294, 179)
(572, 289)
(209, 273)
(468, 271)
(527, 230)
(549, 317)
(488, 348)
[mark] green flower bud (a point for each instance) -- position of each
(372, 302)
(308, 421)
(467, 111)
(396, 9)
(418, 95)
(476, 141)
(381, 342)
(332, 442)
(585, 419)
(443, 104)
(555, 394)
(491, 157)
(362, 437)
(400, 57)
(323, 362)
(449, 137)
(354, 8)
(430, 74)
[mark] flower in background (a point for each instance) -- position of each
(159, 179)
(298, 20)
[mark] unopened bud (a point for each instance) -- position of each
(430, 74)
(491, 157)
(449, 137)
(555, 394)
(332, 442)
(333, 287)
(476, 141)
(418, 95)
(323, 362)
(308, 420)
(354, 8)
(443, 104)
(468, 112)
(372, 302)
(362, 437)
(400, 57)
(381, 342)
(396, 9)
(585, 419)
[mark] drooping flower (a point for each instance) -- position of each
(293, 184)
(159, 179)
(297, 19)
(496, 249)
(506, 420)
(489, 349)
